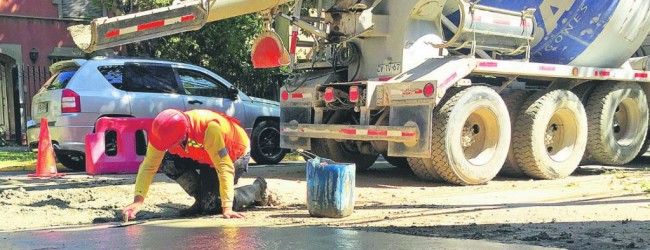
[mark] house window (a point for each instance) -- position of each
(84, 9)
(65, 53)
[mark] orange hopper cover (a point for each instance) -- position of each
(269, 52)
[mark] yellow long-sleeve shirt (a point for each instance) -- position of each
(213, 143)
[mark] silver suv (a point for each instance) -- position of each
(82, 91)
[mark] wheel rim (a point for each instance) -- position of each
(561, 135)
(625, 118)
(269, 142)
(479, 137)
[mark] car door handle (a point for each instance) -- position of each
(195, 102)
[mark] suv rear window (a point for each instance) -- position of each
(58, 80)
(135, 77)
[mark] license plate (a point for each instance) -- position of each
(390, 69)
(42, 107)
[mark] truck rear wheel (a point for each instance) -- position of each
(344, 152)
(399, 162)
(514, 101)
(618, 122)
(550, 135)
(646, 145)
(470, 137)
(424, 169)
(583, 91)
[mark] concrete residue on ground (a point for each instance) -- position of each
(592, 210)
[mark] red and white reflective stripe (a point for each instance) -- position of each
(149, 25)
(374, 132)
(488, 64)
(300, 96)
(448, 80)
(547, 68)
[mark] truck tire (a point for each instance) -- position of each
(346, 152)
(583, 91)
(318, 148)
(550, 135)
(514, 101)
(618, 122)
(471, 135)
(646, 145)
(265, 143)
(399, 162)
(423, 169)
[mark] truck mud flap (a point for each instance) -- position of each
(300, 115)
(420, 116)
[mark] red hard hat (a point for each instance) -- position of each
(168, 128)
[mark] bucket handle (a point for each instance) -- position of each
(307, 154)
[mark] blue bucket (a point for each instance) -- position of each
(330, 188)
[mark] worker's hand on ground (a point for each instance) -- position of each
(132, 209)
(228, 214)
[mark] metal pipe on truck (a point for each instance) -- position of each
(593, 33)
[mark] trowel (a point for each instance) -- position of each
(126, 222)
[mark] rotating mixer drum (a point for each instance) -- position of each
(599, 33)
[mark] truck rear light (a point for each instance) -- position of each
(354, 94)
(428, 90)
(285, 95)
(603, 73)
(641, 75)
(329, 94)
(70, 102)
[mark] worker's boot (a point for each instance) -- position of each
(188, 179)
(262, 197)
(210, 197)
(251, 195)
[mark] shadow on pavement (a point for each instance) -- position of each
(570, 235)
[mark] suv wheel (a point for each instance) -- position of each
(265, 143)
(72, 160)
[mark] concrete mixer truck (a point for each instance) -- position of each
(455, 90)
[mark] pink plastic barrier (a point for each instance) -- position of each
(121, 154)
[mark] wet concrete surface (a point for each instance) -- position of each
(194, 234)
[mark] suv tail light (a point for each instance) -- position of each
(285, 95)
(70, 102)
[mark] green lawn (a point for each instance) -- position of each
(17, 159)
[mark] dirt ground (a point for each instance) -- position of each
(595, 208)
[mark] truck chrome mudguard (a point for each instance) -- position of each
(290, 118)
(412, 116)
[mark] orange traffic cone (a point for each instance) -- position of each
(45, 162)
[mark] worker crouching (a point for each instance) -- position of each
(206, 141)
